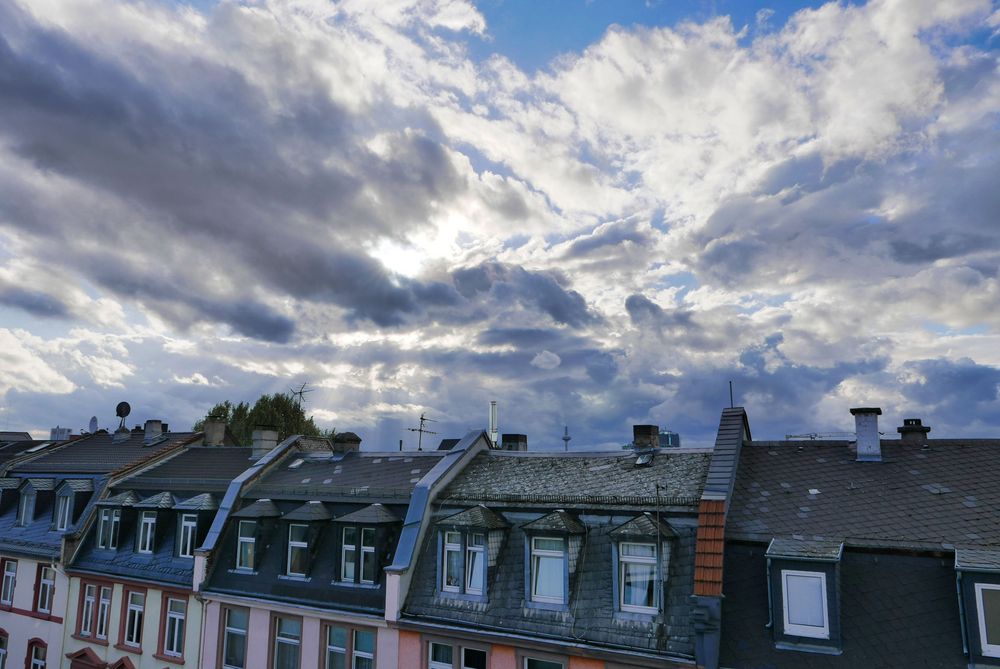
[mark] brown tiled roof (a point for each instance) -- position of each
(708, 551)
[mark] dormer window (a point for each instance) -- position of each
(979, 596)
(252, 521)
(362, 541)
(548, 569)
(64, 512)
(188, 534)
(465, 556)
(147, 531)
(246, 544)
(641, 557)
(298, 550)
(26, 507)
(107, 531)
(803, 578)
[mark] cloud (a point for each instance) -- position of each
(546, 360)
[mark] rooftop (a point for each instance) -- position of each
(209, 468)
(98, 453)
(937, 497)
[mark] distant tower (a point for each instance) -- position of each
(566, 438)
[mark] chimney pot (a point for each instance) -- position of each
(866, 430)
(265, 438)
(646, 436)
(913, 431)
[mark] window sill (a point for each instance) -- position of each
(461, 596)
(90, 639)
(294, 577)
(639, 616)
(361, 586)
(242, 571)
(173, 659)
(129, 649)
(806, 647)
(546, 606)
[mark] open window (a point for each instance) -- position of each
(804, 580)
(468, 545)
(552, 547)
(979, 588)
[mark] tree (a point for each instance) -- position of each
(279, 410)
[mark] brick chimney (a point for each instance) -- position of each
(514, 442)
(265, 438)
(866, 430)
(646, 436)
(215, 432)
(913, 431)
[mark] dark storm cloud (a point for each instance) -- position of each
(960, 390)
(34, 302)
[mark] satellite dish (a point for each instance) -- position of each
(123, 409)
(93, 424)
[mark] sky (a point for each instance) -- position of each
(596, 213)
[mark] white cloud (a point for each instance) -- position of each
(546, 360)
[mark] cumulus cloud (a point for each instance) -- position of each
(546, 360)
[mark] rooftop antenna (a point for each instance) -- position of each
(93, 425)
(122, 411)
(731, 403)
(300, 394)
(566, 438)
(494, 422)
(421, 431)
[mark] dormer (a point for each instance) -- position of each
(71, 496)
(303, 526)
(640, 555)
(151, 521)
(468, 545)
(193, 518)
(26, 501)
(551, 551)
(251, 523)
(365, 538)
(109, 519)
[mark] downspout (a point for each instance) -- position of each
(770, 604)
(961, 614)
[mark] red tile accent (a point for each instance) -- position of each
(708, 552)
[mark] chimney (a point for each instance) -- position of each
(215, 432)
(60, 433)
(344, 442)
(913, 431)
(646, 436)
(866, 430)
(514, 442)
(153, 431)
(265, 438)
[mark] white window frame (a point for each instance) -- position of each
(296, 546)
(3, 651)
(452, 543)
(624, 560)
(26, 508)
(286, 640)
(432, 664)
(46, 590)
(189, 534)
(64, 507)
(368, 549)
(173, 631)
(147, 532)
(471, 549)
(246, 540)
(9, 582)
(547, 553)
(810, 631)
(332, 648)
(346, 546)
(229, 629)
(103, 612)
(89, 605)
(988, 649)
(134, 614)
(110, 519)
(362, 654)
(38, 657)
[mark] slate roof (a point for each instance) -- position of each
(204, 502)
(385, 476)
(935, 498)
(208, 468)
(97, 454)
(162, 500)
(643, 525)
(127, 498)
(373, 514)
(801, 549)
(557, 521)
(972, 559)
(262, 508)
(582, 480)
(478, 517)
(9, 450)
(309, 512)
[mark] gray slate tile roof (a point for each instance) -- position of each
(477, 517)
(204, 502)
(643, 525)
(96, 454)
(801, 549)
(937, 498)
(127, 498)
(309, 512)
(582, 480)
(162, 500)
(972, 559)
(557, 521)
(208, 468)
(262, 508)
(379, 476)
(373, 514)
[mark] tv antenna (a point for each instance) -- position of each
(122, 411)
(421, 431)
(566, 438)
(300, 394)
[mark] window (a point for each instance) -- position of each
(26, 507)
(367, 554)
(535, 663)
(9, 581)
(988, 608)
(103, 612)
(298, 550)
(147, 528)
(46, 589)
(189, 534)
(804, 603)
(36, 655)
(473, 658)
(246, 544)
(548, 569)
(343, 643)
(234, 638)
(444, 656)
(3, 650)
(474, 564)
(440, 656)
(287, 638)
(637, 577)
(107, 534)
(64, 509)
(451, 580)
(87, 610)
(463, 575)
(348, 554)
(136, 606)
(173, 637)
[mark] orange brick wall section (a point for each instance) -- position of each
(503, 657)
(708, 553)
(585, 663)
(410, 653)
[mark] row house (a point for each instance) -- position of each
(46, 498)
(535, 560)
(131, 603)
(295, 562)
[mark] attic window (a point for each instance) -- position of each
(548, 570)
(64, 511)
(637, 577)
(26, 507)
(804, 580)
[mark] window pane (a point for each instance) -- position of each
(453, 569)
(246, 555)
(298, 560)
(235, 651)
(639, 550)
(475, 571)
(547, 575)
(638, 580)
(804, 600)
(368, 566)
(350, 535)
(297, 532)
(289, 628)
(473, 659)
(286, 656)
(363, 663)
(532, 663)
(337, 636)
(452, 538)
(247, 528)
(991, 615)
(336, 659)
(364, 641)
(441, 653)
(368, 537)
(547, 544)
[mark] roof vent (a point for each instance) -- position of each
(644, 458)
(913, 431)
